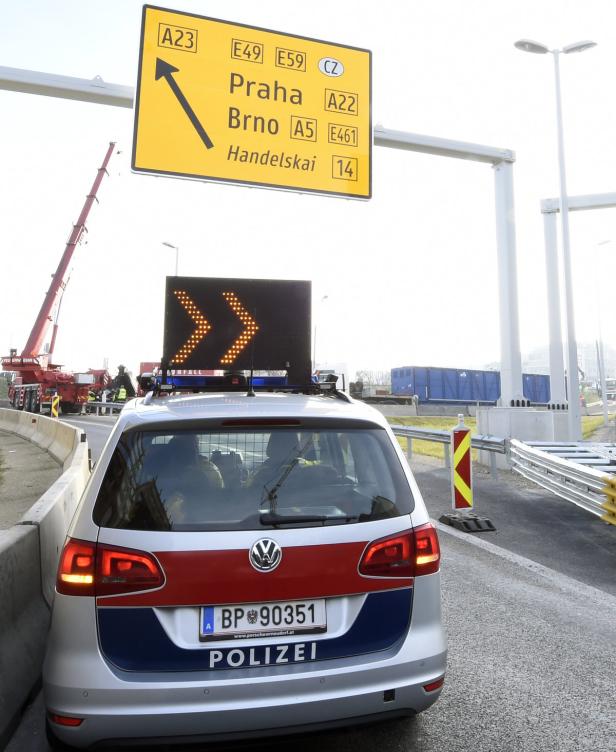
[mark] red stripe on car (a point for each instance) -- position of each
(226, 576)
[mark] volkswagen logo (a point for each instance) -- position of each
(265, 555)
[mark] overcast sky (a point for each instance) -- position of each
(410, 277)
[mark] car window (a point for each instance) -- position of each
(247, 479)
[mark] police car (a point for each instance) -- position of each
(244, 565)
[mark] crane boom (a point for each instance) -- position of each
(35, 340)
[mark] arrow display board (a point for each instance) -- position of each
(239, 104)
(216, 323)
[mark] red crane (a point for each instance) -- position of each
(38, 379)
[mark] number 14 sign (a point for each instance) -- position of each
(240, 104)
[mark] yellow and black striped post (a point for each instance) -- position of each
(610, 501)
(55, 405)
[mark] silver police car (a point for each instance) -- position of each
(243, 566)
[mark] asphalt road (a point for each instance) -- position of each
(531, 522)
(97, 430)
(532, 651)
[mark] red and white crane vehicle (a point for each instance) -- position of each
(37, 378)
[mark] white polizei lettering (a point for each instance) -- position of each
(282, 651)
(235, 658)
(299, 651)
(266, 660)
(215, 657)
(254, 661)
(313, 651)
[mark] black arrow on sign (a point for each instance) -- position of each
(166, 71)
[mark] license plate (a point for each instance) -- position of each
(245, 620)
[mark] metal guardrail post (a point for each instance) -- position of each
(409, 448)
(447, 454)
(493, 472)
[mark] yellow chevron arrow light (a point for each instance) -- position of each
(250, 329)
(203, 326)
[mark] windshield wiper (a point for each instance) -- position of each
(271, 494)
(272, 518)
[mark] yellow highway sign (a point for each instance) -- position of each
(239, 104)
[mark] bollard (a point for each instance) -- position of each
(55, 405)
(461, 477)
(462, 518)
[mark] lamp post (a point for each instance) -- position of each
(601, 348)
(177, 254)
(314, 340)
(527, 45)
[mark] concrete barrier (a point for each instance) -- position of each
(24, 621)
(29, 554)
(59, 439)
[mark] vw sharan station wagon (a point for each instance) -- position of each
(244, 566)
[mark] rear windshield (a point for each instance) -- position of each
(247, 479)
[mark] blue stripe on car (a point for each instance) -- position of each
(134, 640)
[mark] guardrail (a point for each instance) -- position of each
(491, 444)
(101, 408)
(590, 489)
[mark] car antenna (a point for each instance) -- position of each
(251, 391)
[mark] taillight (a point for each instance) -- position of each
(65, 720)
(389, 557)
(427, 550)
(409, 554)
(120, 570)
(433, 686)
(77, 568)
(91, 569)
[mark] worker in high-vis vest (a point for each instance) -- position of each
(121, 394)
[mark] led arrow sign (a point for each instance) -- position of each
(213, 323)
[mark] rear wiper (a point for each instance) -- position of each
(272, 493)
(272, 518)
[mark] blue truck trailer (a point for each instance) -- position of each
(461, 385)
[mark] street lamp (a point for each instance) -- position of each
(314, 341)
(177, 253)
(527, 45)
(601, 348)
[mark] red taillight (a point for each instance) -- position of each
(120, 570)
(77, 568)
(408, 554)
(433, 686)
(65, 720)
(389, 557)
(90, 569)
(427, 550)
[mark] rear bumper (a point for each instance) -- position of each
(200, 711)
(211, 705)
